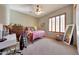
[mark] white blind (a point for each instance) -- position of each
(53, 24)
(50, 24)
(62, 19)
(57, 24)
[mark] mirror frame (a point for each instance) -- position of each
(70, 36)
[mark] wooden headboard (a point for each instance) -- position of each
(16, 29)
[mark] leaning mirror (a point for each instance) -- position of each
(68, 34)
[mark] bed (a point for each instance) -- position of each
(32, 36)
(36, 34)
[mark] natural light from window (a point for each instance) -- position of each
(57, 23)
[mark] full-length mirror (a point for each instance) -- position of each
(68, 34)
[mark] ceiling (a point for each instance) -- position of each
(29, 8)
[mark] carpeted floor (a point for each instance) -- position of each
(46, 46)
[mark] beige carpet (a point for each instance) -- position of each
(46, 46)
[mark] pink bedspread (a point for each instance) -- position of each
(38, 34)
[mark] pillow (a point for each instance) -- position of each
(32, 28)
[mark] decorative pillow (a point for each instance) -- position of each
(32, 28)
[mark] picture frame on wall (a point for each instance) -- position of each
(68, 34)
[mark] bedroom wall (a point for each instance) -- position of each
(77, 24)
(69, 18)
(23, 19)
(4, 14)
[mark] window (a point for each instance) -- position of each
(50, 24)
(57, 23)
(53, 24)
(62, 24)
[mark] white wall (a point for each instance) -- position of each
(69, 17)
(3, 14)
(77, 24)
(23, 19)
(74, 22)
